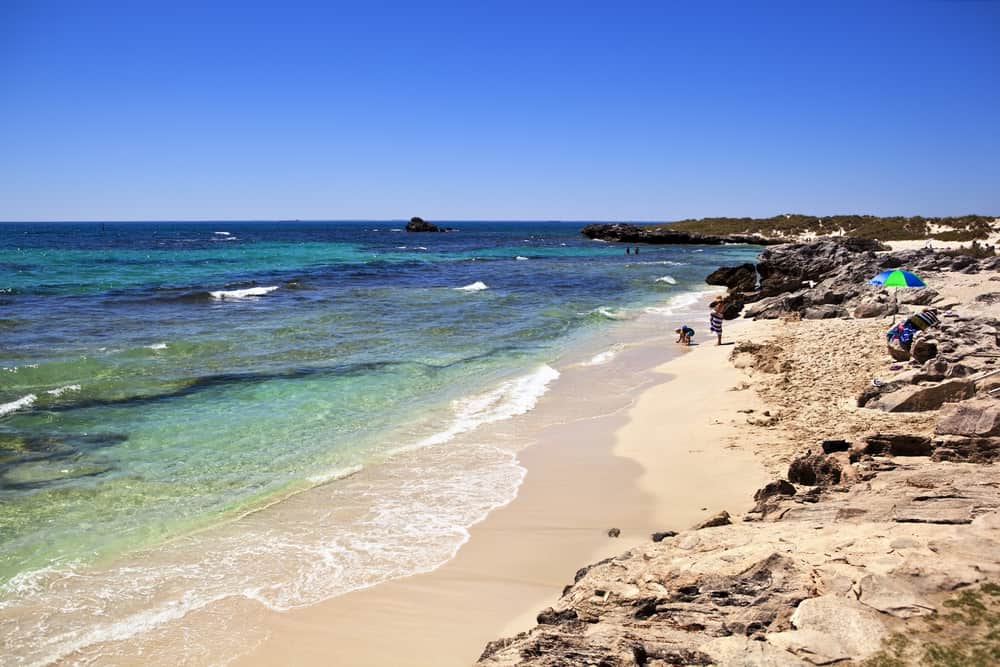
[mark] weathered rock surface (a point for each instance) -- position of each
(979, 417)
(821, 582)
(815, 470)
(916, 398)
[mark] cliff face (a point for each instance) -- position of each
(625, 233)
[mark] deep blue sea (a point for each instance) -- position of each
(161, 382)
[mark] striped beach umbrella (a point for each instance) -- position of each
(897, 278)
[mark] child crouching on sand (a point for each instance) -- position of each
(684, 334)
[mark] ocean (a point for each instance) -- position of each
(280, 412)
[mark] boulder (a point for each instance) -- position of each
(663, 534)
(923, 349)
(978, 417)
(921, 398)
(720, 519)
(873, 308)
(815, 470)
(778, 487)
(742, 278)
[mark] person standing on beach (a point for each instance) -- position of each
(715, 320)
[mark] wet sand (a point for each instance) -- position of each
(663, 462)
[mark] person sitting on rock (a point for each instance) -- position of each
(900, 336)
(684, 334)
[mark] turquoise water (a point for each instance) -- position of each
(160, 378)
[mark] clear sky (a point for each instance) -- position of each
(496, 110)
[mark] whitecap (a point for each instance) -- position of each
(477, 286)
(222, 233)
(157, 346)
(520, 258)
(23, 402)
(394, 230)
(62, 390)
(670, 280)
(242, 293)
(420, 247)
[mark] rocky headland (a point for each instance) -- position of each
(878, 541)
(626, 233)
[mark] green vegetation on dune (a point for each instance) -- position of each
(962, 228)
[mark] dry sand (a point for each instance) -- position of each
(664, 463)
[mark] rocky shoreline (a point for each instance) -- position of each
(885, 502)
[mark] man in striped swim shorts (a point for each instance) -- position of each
(715, 320)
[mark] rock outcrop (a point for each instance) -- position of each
(420, 225)
(814, 583)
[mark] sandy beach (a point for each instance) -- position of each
(663, 463)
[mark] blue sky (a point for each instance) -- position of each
(496, 110)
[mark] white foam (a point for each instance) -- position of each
(334, 474)
(512, 398)
(603, 357)
(62, 390)
(157, 346)
(394, 229)
(675, 304)
(616, 315)
(520, 258)
(477, 286)
(242, 293)
(23, 402)
(222, 233)
(670, 280)
(420, 247)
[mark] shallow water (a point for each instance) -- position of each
(160, 383)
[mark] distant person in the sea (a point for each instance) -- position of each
(684, 335)
(628, 251)
(715, 319)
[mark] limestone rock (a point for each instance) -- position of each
(979, 417)
(850, 626)
(720, 519)
(891, 595)
(775, 488)
(919, 399)
(814, 470)
(897, 444)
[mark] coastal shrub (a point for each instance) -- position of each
(893, 228)
(975, 249)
